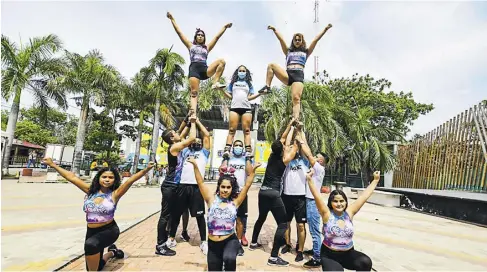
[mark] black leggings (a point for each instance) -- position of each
(167, 210)
(351, 259)
(97, 239)
(223, 252)
(270, 200)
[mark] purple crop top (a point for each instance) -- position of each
(198, 53)
(222, 215)
(99, 207)
(296, 57)
(338, 237)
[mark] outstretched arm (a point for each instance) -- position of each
(218, 36)
(177, 147)
(69, 176)
(317, 38)
(357, 205)
(320, 204)
(117, 194)
(305, 150)
(208, 196)
(286, 132)
(184, 124)
(248, 183)
(205, 134)
(280, 38)
(183, 38)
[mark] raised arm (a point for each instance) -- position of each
(117, 194)
(185, 123)
(205, 134)
(218, 36)
(312, 46)
(69, 176)
(183, 38)
(305, 150)
(280, 38)
(320, 204)
(357, 204)
(286, 132)
(208, 196)
(223, 165)
(228, 92)
(248, 182)
(177, 147)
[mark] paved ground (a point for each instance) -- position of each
(43, 224)
(395, 239)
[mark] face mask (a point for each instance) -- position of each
(237, 150)
(196, 147)
(241, 75)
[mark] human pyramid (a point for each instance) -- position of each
(290, 188)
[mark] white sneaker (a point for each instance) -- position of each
(171, 243)
(204, 247)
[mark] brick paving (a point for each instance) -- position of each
(395, 239)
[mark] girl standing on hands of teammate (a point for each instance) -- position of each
(101, 201)
(241, 92)
(198, 54)
(222, 215)
(296, 56)
(337, 250)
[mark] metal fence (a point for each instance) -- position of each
(452, 156)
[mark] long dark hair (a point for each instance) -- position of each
(233, 182)
(248, 76)
(204, 38)
(332, 196)
(302, 48)
(95, 183)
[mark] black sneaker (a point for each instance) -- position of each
(255, 246)
(265, 89)
(240, 251)
(286, 249)
(299, 256)
(312, 263)
(308, 252)
(277, 261)
(184, 236)
(163, 250)
(117, 253)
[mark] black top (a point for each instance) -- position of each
(274, 171)
(172, 162)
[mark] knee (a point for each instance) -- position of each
(194, 92)
(282, 226)
(271, 66)
(364, 263)
(222, 62)
(232, 131)
(92, 246)
(230, 260)
(296, 97)
(301, 227)
(247, 131)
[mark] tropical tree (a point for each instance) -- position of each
(89, 79)
(164, 76)
(29, 67)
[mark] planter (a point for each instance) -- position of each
(27, 172)
(325, 189)
(126, 174)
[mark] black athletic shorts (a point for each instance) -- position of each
(198, 70)
(243, 209)
(241, 111)
(295, 75)
(189, 197)
(295, 207)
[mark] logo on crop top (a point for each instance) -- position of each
(224, 214)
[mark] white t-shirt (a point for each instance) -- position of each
(317, 179)
(295, 177)
(240, 91)
(238, 163)
(186, 169)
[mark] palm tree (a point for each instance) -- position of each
(164, 75)
(29, 66)
(89, 78)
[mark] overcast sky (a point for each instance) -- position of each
(436, 50)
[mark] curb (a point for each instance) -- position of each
(127, 229)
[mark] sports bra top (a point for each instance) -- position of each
(99, 207)
(296, 57)
(222, 216)
(338, 232)
(198, 53)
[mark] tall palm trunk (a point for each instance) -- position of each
(80, 136)
(12, 123)
(155, 135)
(137, 142)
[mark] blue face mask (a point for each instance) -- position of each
(237, 150)
(241, 75)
